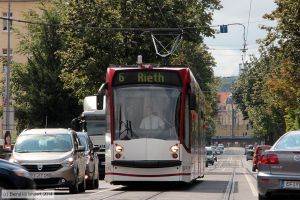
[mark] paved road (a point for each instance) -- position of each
(229, 178)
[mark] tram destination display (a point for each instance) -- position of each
(146, 77)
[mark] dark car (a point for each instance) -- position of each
(259, 150)
(92, 161)
(249, 155)
(13, 176)
(209, 156)
(248, 148)
(278, 168)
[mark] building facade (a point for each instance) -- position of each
(17, 10)
(230, 122)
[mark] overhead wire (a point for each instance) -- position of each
(246, 35)
(249, 16)
(112, 28)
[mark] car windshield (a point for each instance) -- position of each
(83, 142)
(43, 143)
(289, 142)
(146, 112)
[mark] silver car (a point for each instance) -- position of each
(92, 161)
(279, 167)
(54, 157)
(209, 156)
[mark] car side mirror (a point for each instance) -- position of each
(96, 148)
(81, 149)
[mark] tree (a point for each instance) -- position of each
(90, 49)
(39, 96)
(269, 92)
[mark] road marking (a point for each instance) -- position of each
(252, 187)
(108, 189)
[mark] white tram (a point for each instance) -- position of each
(155, 125)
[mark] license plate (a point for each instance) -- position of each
(39, 175)
(291, 184)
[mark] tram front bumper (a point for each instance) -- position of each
(146, 163)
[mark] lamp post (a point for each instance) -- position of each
(224, 29)
(6, 103)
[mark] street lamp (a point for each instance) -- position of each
(224, 29)
(6, 103)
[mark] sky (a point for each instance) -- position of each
(225, 47)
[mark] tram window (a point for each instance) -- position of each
(107, 114)
(193, 102)
(130, 107)
(187, 123)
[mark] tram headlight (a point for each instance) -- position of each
(174, 148)
(118, 148)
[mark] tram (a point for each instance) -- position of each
(155, 125)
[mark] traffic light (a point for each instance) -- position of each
(223, 29)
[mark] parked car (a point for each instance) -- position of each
(249, 155)
(221, 148)
(13, 176)
(209, 156)
(53, 156)
(92, 161)
(248, 147)
(259, 150)
(214, 150)
(278, 169)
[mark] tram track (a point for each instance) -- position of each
(120, 194)
(228, 195)
(127, 194)
(151, 194)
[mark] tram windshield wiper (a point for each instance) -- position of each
(127, 133)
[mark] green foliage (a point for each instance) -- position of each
(90, 50)
(269, 91)
(38, 91)
(227, 83)
(68, 62)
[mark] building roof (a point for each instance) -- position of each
(223, 96)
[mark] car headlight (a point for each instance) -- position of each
(22, 173)
(68, 162)
(87, 159)
(13, 160)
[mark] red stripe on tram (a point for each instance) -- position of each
(148, 176)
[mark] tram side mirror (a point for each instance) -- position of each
(100, 96)
(99, 101)
(193, 102)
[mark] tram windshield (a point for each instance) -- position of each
(146, 112)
